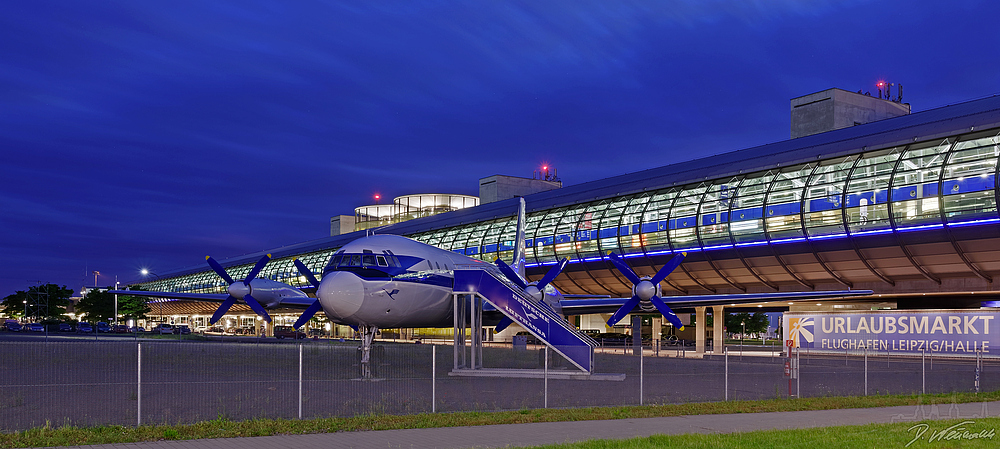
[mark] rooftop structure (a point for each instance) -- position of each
(835, 109)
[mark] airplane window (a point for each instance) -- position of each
(355, 261)
(436, 265)
(368, 260)
(381, 261)
(336, 260)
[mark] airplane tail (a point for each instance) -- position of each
(519, 249)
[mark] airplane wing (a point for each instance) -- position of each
(287, 302)
(610, 305)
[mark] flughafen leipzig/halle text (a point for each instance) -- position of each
(864, 195)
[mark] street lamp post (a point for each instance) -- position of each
(116, 301)
(25, 310)
(145, 272)
(742, 336)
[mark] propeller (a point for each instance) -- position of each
(315, 306)
(239, 290)
(646, 289)
(536, 289)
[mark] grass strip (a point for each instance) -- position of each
(224, 428)
(980, 433)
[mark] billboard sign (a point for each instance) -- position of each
(960, 331)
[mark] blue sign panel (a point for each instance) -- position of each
(937, 331)
(548, 327)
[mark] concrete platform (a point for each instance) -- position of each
(535, 374)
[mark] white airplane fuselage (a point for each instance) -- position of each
(389, 281)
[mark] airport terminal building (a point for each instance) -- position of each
(905, 206)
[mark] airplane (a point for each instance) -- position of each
(386, 281)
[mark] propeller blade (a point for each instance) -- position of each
(503, 324)
(624, 310)
(219, 270)
(624, 268)
(667, 313)
(223, 308)
(256, 269)
(308, 314)
(511, 275)
(304, 270)
(668, 268)
(552, 273)
(259, 309)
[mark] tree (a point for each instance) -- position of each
(42, 302)
(134, 307)
(97, 305)
(756, 323)
(100, 306)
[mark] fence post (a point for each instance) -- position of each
(546, 377)
(798, 374)
(138, 386)
(923, 371)
(978, 366)
(300, 380)
(641, 374)
(434, 378)
(866, 370)
(725, 351)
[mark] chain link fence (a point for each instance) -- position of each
(107, 382)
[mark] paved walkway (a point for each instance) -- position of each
(520, 435)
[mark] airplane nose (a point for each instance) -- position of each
(341, 294)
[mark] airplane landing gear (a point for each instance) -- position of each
(366, 362)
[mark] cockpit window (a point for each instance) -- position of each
(355, 261)
(381, 261)
(368, 260)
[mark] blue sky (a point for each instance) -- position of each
(150, 134)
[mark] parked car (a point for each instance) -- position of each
(65, 327)
(529, 338)
(613, 339)
(163, 328)
(84, 328)
(120, 329)
(182, 329)
(12, 326)
(317, 332)
(215, 330)
(201, 329)
(103, 327)
(281, 332)
(35, 327)
(136, 329)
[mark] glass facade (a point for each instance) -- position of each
(923, 185)
(928, 183)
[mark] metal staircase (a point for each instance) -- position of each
(536, 318)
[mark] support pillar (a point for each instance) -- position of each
(719, 328)
(657, 327)
(699, 330)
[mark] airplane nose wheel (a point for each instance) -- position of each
(366, 361)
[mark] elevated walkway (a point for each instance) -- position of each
(473, 286)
